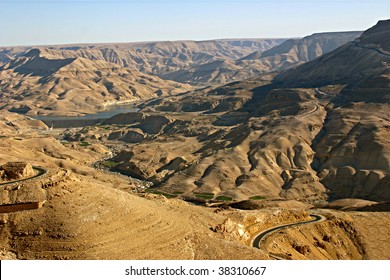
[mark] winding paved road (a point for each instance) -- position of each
(21, 206)
(41, 171)
(259, 237)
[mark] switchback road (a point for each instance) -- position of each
(40, 171)
(259, 237)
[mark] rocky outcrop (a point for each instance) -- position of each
(129, 135)
(16, 170)
(154, 124)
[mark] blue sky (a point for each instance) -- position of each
(90, 21)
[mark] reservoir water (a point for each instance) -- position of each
(86, 120)
(110, 112)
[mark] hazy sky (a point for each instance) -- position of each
(59, 22)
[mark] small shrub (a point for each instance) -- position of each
(257, 197)
(110, 164)
(224, 198)
(177, 193)
(204, 195)
(84, 144)
(167, 195)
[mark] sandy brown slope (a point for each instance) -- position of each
(375, 229)
(40, 83)
(89, 214)
(84, 217)
(86, 220)
(11, 123)
(367, 232)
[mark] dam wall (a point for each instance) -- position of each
(66, 123)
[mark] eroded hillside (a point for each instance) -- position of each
(233, 160)
(262, 138)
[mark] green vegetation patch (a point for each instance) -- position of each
(84, 144)
(257, 197)
(177, 193)
(152, 191)
(204, 195)
(110, 164)
(167, 195)
(224, 198)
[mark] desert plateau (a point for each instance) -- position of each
(260, 149)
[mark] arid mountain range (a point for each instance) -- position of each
(154, 56)
(66, 86)
(232, 137)
(289, 53)
(264, 137)
(203, 62)
(81, 78)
